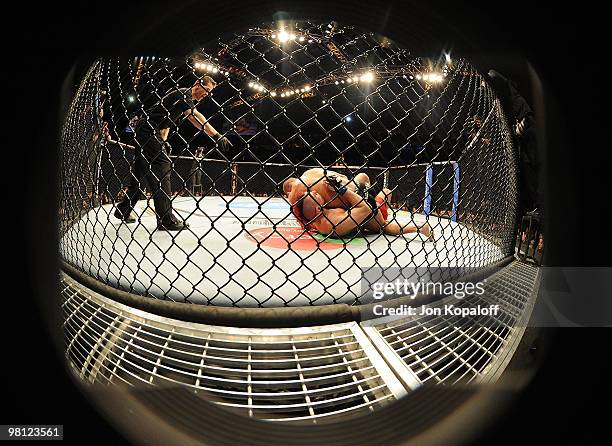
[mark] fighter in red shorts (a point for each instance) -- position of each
(331, 204)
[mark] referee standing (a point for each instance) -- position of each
(152, 162)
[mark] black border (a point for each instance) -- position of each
(561, 404)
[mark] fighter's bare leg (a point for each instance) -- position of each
(393, 227)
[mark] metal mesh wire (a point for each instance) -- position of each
(308, 374)
(278, 375)
(320, 95)
(449, 349)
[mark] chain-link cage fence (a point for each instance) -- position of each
(174, 171)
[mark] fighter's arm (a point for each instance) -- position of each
(343, 221)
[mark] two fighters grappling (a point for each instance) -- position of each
(331, 204)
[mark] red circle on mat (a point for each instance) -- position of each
(288, 238)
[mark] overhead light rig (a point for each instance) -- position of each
(428, 77)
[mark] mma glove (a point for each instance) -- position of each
(336, 184)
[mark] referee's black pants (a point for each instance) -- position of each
(153, 166)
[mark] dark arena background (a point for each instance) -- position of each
(212, 311)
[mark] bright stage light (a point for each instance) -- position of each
(368, 77)
(283, 36)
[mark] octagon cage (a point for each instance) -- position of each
(311, 96)
(245, 298)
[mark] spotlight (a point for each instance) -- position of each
(349, 80)
(337, 82)
(368, 77)
(273, 94)
(283, 36)
(274, 36)
(215, 70)
(302, 38)
(448, 58)
(307, 88)
(282, 95)
(310, 40)
(131, 98)
(348, 119)
(418, 76)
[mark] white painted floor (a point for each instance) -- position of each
(218, 261)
